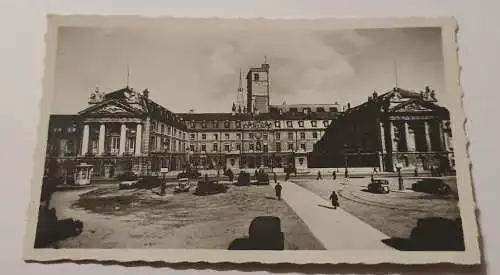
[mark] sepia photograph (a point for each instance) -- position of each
(178, 140)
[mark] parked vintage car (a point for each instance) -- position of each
(379, 186)
(144, 182)
(243, 179)
(182, 186)
(261, 177)
(209, 187)
(127, 176)
(190, 174)
(432, 186)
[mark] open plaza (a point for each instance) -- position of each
(139, 218)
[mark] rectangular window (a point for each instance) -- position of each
(289, 124)
(302, 135)
(320, 109)
(216, 136)
(226, 124)
(193, 124)
(203, 136)
(204, 125)
(314, 123)
(303, 146)
(191, 148)
(250, 135)
(203, 147)
(250, 146)
(215, 124)
(290, 135)
(315, 135)
(277, 135)
(162, 128)
(265, 136)
(115, 145)
(256, 77)
(226, 135)
(238, 124)
(301, 124)
(278, 146)
(290, 146)
(265, 148)
(215, 147)
(192, 136)
(238, 147)
(334, 109)
(227, 148)
(238, 135)
(277, 124)
(325, 123)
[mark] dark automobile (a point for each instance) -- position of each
(209, 187)
(127, 176)
(148, 182)
(432, 186)
(190, 174)
(379, 186)
(261, 177)
(243, 179)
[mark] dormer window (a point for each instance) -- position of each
(325, 123)
(193, 124)
(301, 123)
(226, 124)
(277, 124)
(289, 124)
(314, 123)
(204, 125)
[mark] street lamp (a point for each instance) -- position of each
(400, 178)
(346, 172)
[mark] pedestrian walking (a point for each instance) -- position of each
(335, 200)
(287, 176)
(319, 177)
(275, 177)
(334, 175)
(277, 189)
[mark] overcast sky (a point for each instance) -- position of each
(197, 66)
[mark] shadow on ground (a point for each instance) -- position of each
(326, 206)
(264, 233)
(432, 234)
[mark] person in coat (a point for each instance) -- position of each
(277, 189)
(334, 175)
(335, 199)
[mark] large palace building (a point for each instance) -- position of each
(398, 129)
(126, 130)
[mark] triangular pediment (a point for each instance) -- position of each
(414, 106)
(111, 108)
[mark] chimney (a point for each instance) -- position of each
(145, 93)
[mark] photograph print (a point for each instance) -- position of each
(177, 140)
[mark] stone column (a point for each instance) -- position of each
(85, 139)
(427, 136)
(123, 135)
(102, 138)
(409, 143)
(138, 139)
(382, 136)
(393, 143)
(145, 135)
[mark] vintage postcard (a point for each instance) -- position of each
(252, 140)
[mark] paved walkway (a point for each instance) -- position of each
(335, 228)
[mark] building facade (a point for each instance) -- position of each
(125, 130)
(399, 129)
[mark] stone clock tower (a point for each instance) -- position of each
(258, 89)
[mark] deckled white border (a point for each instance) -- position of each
(453, 92)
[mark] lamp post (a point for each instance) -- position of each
(346, 171)
(400, 178)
